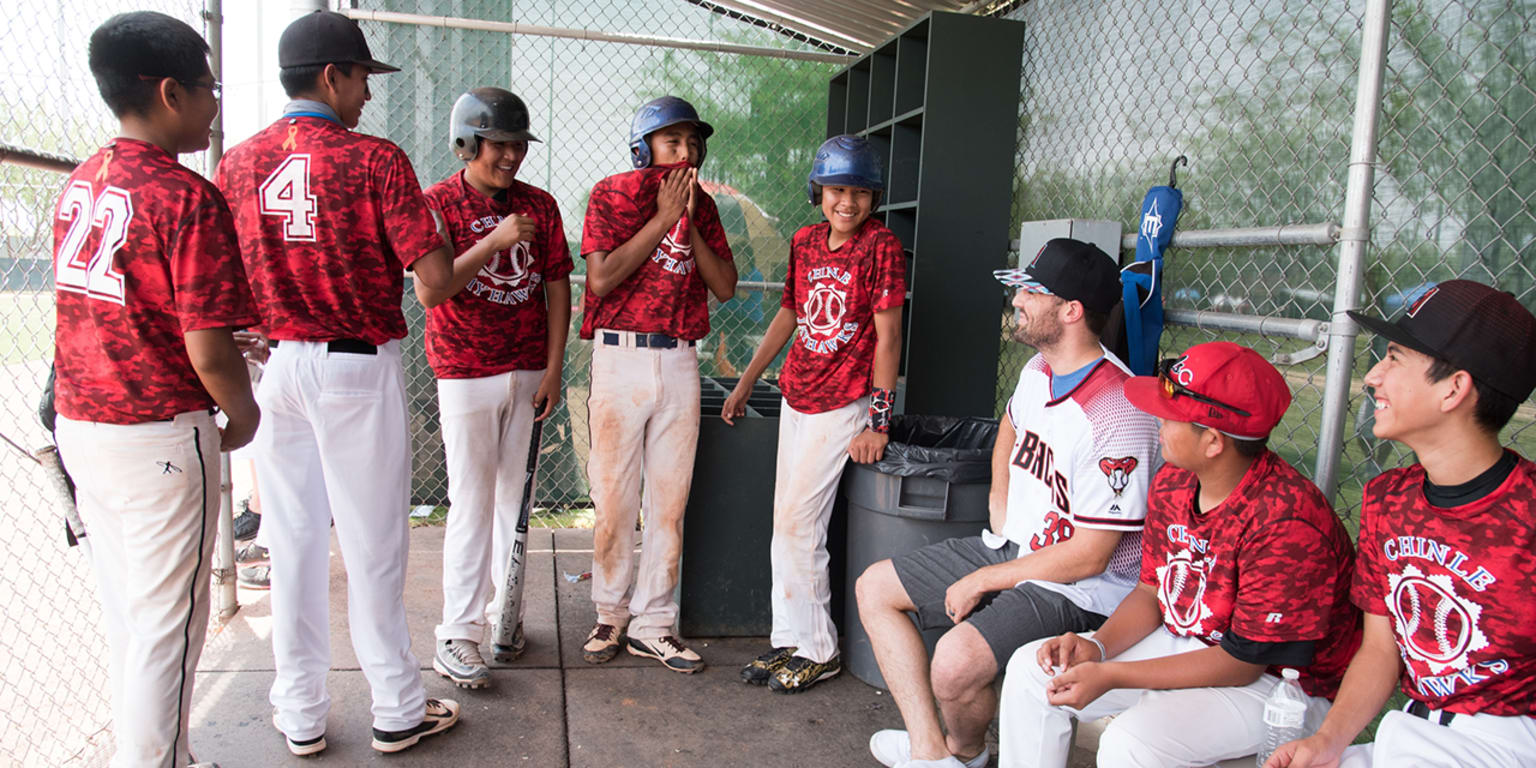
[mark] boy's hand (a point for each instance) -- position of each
(1311, 752)
(868, 447)
(239, 431)
(673, 198)
(511, 231)
(736, 405)
(1079, 686)
(548, 394)
(694, 190)
(253, 345)
(1059, 654)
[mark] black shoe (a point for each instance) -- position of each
(800, 673)
(247, 523)
(440, 716)
(759, 670)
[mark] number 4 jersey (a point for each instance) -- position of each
(328, 219)
(1082, 460)
(144, 252)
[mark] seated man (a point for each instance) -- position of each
(1069, 475)
(1244, 569)
(1447, 547)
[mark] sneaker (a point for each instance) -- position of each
(460, 661)
(506, 654)
(301, 748)
(893, 747)
(253, 554)
(668, 650)
(247, 523)
(602, 644)
(255, 577)
(758, 670)
(800, 673)
(440, 716)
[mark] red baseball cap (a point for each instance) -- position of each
(1227, 387)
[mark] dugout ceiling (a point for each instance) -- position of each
(845, 26)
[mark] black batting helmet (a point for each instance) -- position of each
(486, 113)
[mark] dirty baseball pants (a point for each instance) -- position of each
(333, 444)
(813, 449)
(644, 423)
(149, 495)
(1188, 726)
(487, 423)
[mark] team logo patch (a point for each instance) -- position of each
(1181, 372)
(1435, 625)
(509, 268)
(1181, 591)
(824, 309)
(1118, 471)
(1418, 303)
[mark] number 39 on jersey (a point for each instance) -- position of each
(286, 194)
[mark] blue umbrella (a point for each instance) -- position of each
(1142, 280)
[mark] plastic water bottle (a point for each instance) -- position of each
(1285, 714)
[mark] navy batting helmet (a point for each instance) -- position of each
(657, 114)
(486, 113)
(847, 161)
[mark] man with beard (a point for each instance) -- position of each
(1070, 471)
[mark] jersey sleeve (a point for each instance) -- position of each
(787, 299)
(1368, 590)
(612, 218)
(556, 257)
(1112, 467)
(1284, 567)
(890, 288)
(207, 276)
(408, 222)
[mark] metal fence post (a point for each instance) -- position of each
(1352, 243)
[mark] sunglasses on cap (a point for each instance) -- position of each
(1172, 388)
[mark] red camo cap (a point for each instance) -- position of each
(1227, 387)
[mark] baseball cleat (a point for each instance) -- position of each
(253, 554)
(759, 670)
(460, 661)
(602, 644)
(668, 650)
(800, 673)
(255, 577)
(441, 715)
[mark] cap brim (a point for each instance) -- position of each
(497, 134)
(1391, 332)
(377, 67)
(1146, 393)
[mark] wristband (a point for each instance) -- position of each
(880, 405)
(1103, 655)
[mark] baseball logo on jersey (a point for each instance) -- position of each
(1118, 471)
(1435, 625)
(675, 251)
(1181, 590)
(509, 268)
(822, 329)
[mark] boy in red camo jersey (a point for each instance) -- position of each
(1244, 570)
(497, 350)
(149, 289)
(654, 247)
(1447, 547)
(328, 221)
(843, 293)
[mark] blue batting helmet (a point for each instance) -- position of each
(847, 161)
(657, 114)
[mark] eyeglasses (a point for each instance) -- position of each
(215, 87)
(1172, 388)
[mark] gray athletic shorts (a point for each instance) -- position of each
(1007, 620)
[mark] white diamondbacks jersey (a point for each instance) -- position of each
(1084, 460)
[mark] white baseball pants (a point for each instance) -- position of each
(1468, 741)
(333, 444)
(487, 423)
(644, 422)
(813, 449)
(149, 497)
(1185, 727)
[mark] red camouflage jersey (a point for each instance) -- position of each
(1272, 564)
(328, 219)
(665, 293)
(500, 321)
(835, 295)
(144, 252)
(1457, 584)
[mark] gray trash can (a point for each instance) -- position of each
(932, 485)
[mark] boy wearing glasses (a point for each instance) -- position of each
(1244, 570)
(1070, 470)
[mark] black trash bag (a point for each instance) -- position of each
(950, 448)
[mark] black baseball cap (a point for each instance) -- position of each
(1477, 328)
(1073, 270)
(326, 37)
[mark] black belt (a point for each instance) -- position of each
(648, 340)
(352, 346)
(1422, 711)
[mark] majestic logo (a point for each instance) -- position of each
(1118, 471)
(1181, 590)
(1418, 303)
(1435, 625)
(1151, 222)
